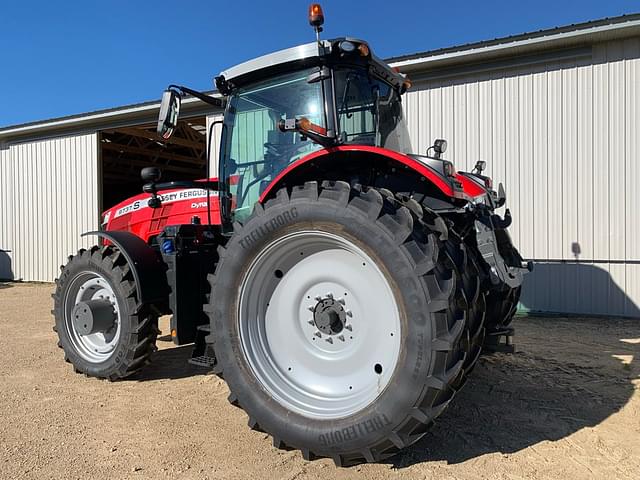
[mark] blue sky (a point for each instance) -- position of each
(61, 58)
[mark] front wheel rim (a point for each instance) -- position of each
(319, 324)
(99, 346)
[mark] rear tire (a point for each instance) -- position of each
(125, 345)
(502, 306)
(428, 359)
(473, 302)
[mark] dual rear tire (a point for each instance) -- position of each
(340, 322)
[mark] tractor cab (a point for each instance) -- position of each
(287, 105)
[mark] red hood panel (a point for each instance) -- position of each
(179, 206)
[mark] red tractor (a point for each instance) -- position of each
(342, 286)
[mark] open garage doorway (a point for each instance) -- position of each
(124, 151)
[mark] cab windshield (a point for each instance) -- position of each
(255, 149)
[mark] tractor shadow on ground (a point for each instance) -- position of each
(169, 364)
(568, 374)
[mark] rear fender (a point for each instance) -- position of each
(452, 188)
(146, 265)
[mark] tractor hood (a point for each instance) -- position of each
(179, 206)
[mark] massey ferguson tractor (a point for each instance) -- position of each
(341, 285)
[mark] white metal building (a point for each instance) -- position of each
(555, 113)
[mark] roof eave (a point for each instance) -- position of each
(134, 114)
(481, 52)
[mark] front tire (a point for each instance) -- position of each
(293, 271)
(118, 338)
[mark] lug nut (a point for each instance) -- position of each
(341, 337)
(349, 313)
(318, 334)
(341, 301)
(349, 327)
(330, 340)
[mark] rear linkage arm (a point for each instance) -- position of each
(494, 244)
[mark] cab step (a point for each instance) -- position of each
(203, 355)
(203, 361)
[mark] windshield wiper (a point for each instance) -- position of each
(376, 111)
(344, 105)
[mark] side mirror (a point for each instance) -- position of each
(169, 112)
(150, 174)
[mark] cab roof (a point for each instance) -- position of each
(301, 56)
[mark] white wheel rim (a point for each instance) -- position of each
(305, 363)
(99, 346)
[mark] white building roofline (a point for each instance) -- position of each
(583, 33)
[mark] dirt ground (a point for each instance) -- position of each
(566, 405)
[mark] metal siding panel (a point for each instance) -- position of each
(526, 162)
(435, 115)
(498, 125)
(617, 287)
(601, 153)
(512, 148)
(632, 174)
(540, 177)
(584, 172)
(411, 105)
(425, 135)
(616, 151)
(55, 181)
(486, 147)
(632, 300)
(585, 162)
(563, 139)
(472, 125)
(569, 160)
(6, 214)
(555, 160)
(459, 153)
(417, 104)
(448, 120)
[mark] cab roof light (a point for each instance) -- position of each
(363, 48)
(316, 16)
(346, 46)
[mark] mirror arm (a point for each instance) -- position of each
(180, 184)
(216, 102)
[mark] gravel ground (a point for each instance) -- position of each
(566, 405)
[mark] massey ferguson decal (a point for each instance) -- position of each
(177, 196)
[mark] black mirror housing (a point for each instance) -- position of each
(151, 174)
(169, 113)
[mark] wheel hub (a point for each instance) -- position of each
(93, 316)
(329, 316)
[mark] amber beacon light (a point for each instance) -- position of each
(316, 16)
